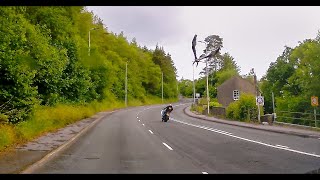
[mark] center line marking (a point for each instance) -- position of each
(142, 124)
(150, 131)
(167, 146)
(204, 173)
(139, 119)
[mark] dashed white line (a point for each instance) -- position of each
(167, 146)
(150, 131)
(139, 120)
(142, 124)
(204, 173)
(137, 117)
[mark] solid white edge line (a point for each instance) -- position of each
(204, 173)
(261, 143)
(167, 146)
(282, 146)
(204, 127)
(277, 147)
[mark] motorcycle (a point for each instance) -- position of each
(165, 117)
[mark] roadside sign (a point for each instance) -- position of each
(197, 95)
(314, 101)
(260, 100)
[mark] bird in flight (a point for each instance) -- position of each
(194, 43)
(203, 56)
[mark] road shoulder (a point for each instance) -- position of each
(273, 128)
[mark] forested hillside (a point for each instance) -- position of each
(45, 60)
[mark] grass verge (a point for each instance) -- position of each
(49, 119)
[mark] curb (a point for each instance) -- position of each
(56, 151)
(270, 130)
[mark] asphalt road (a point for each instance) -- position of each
(136, 141)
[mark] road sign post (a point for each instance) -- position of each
(315, 103)
(259, 102)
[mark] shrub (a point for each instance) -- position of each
(244, 109)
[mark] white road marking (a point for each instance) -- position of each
(137, 117)
(150, 131)
(142, 124)
(139, 120)
(203, 127)
(281, 146)
(249, 140)
(167, 146)
(204, 173)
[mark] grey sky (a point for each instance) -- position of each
(255, 35)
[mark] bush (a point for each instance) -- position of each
(232, 110)
(3, 118)
(202, 101)
(244, 109)
(215, 104)
(197, 108)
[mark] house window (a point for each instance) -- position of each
(236, 95)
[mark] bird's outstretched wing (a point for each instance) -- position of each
(194, 43)
(203, 56)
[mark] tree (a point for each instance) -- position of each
(186, 87)
(44, 60)
(293, 78)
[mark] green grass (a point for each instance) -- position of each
(7, 136)
(48, 119)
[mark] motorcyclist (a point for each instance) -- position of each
(167, 109)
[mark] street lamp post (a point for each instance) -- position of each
(89, 39)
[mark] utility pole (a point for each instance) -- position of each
(273, 107)
(208, 98)
(126, 89)
(89, 44)
(90, 40)
(194, 89)
(162, 87)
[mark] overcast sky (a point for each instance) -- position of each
(255, 35)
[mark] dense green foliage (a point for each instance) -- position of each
(44, 60)
(294, 78)
(245, 109)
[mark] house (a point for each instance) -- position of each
(231, 90)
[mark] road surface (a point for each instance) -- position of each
(136, 141)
